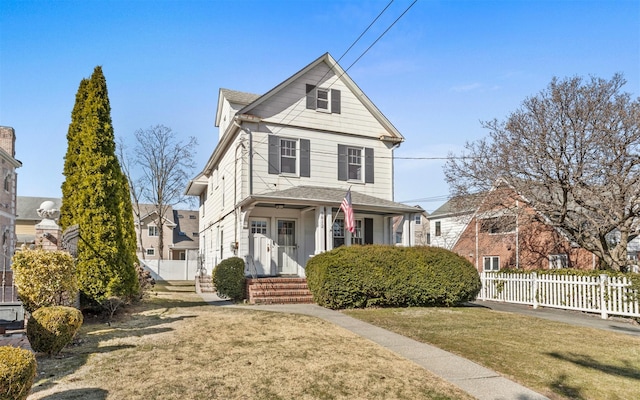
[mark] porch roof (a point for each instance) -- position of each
(308, 196)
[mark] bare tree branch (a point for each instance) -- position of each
(573, 152)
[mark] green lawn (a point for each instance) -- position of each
(556, 359)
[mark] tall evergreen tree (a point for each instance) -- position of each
(95, 196)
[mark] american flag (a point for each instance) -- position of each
(347, 208)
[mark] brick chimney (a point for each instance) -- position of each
(8, 140)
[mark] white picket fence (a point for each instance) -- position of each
(598, 294)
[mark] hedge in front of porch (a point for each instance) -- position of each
(390, 276)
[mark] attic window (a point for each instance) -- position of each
(192, 216)
(323, 99)
(180, 216)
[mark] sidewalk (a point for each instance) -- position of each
(15, 339)
(473, 378)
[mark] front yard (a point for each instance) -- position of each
(174, 346)
(558, 360)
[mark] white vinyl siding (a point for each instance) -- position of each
(288, 107)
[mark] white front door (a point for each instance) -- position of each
(260, 247)
(287, 248)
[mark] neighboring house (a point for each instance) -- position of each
(27, 217)
(10, 308)
(447, 223)
(271, 190)
(421, 233)
(504, 232)
(180, 233)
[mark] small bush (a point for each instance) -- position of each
(45, 278)
(51, 328)
(389, 276)
(229, 279)
(145, 280)
(17, 372)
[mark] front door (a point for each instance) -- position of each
(287, 248)
(260, 247)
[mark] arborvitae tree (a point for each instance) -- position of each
(71, 159)
(95, 196)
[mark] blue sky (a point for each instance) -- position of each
(440, 70)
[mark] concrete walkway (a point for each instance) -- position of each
(478, 381)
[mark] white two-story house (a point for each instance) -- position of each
(271, 191)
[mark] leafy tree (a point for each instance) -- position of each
(95, 196)
(573, 153)
(165, 165)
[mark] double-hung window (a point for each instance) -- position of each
(491, 263)
(153, 230)
(355, 164)
(354, 161)
(288, 158)
(323, 99)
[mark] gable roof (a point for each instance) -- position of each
(233, 96)
(147, 210)
(333, 65)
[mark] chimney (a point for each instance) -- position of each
(8, 140)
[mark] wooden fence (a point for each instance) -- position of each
(598, 294)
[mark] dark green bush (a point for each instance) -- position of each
(229, 279)
(17, 372)
(51, 328)
(390, 276)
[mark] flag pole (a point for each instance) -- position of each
(338, 213)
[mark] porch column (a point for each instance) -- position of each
(407, 230)
(386, 230)
(319, 234)
(328, 232)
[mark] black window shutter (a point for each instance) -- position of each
(368, 165)
(305, 158)
(368, 231)
(311, 97)
(274, 154)
(342, 162)
(335, 101)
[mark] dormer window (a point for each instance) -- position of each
(323, 99)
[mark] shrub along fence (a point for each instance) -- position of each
(604, 294)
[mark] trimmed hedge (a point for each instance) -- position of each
(390, 276)
(45, 278)
(229, 279)
(51, 328)
(17, 372)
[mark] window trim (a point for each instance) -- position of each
(155, 230)
(493, 260)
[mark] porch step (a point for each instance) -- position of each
(204, 284)
(280, 290)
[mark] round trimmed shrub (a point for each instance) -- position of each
(45, 278)
(390, 276)
(229, 279)
(17, 372)
(51, 328)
